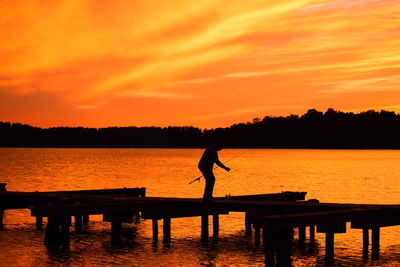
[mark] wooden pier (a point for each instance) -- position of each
(271, 216)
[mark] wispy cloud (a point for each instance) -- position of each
(379, 84)
(90, 106)
(243, 74)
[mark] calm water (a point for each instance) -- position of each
(345, 176)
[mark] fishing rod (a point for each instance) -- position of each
(198, 178)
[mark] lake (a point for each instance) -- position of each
(343, 176)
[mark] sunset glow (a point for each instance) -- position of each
(202, 63)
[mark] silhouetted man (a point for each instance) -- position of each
(206, 166)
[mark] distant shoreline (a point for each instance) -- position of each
(313, 130)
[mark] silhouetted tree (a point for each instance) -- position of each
(314, 129)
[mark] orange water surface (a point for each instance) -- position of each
(344, 176)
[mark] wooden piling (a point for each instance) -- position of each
(375, 243)
(167, 230)
(329, 248)
(39, 222)
(1, 219)
(78, 223)
(269, 247)
(283, 248)
(247, 223)
(215, 225)
(257, 235)
(65, 223)
(155, 229)
(312, 233)
(52, 233)
(302, 234)
(85, 218)
(365, 242)
(2, 189)
(204, 226)
(116, 227)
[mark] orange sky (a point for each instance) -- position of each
(204, 63)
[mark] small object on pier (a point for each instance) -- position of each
(167, 230)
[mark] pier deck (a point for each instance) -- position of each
(274, 214)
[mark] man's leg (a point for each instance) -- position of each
(210, 181)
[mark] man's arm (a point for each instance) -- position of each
(219, 163)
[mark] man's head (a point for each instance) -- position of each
(218, 145)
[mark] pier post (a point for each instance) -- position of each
(155, 229)
(247, 223)
(365, 242)
(116, 227)
(85, 218)
(283, 248)
(53, 236)
(375, 243)
(269, 247)
(312, 233)
(2, 189)
(39, 222)
(257, 233)
(78, 223)
(330, 230)
(52, 233)
(204, 226)
(65, 223)
(329, 248)
(167, 230)
(302, 234)
(215, 225)
(1, 219)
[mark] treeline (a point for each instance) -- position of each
(314, 129)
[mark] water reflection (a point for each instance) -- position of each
(328, 175)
